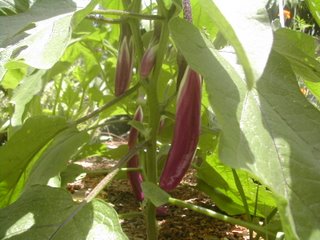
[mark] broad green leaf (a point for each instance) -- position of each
(16, 71)
(219, 198)
(202, 19)
(40, 35)
(28, 88)
(299, 48)
(72, 173)
(49, 213)
(22, 150)
(272, 131)
(92, 150)
(245, 24)
(314, 7)
(155, 194)
(219, 177)
(87, 6)
(56, 156)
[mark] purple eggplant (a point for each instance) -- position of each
(186, 131)
(135, 178)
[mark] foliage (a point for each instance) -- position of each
(258, 152)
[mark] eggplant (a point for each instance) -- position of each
(135, 178)
(186, 131)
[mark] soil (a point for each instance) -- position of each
(178, 224)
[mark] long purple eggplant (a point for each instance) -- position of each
(186, 131)
(135, 177)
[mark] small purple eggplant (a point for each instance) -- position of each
(148, 61)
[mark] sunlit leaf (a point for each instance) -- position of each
(28, 88)
(314, 6)
(49, 213)
(20, 153)
(271, 131)
(245, 24)
(299, 49)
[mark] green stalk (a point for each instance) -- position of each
(107, 105)
(213, 214)
(267, 220)
(128, 14)
(104, 20)
(255, 208)
(129, 215)
(242, 194)
(137, 169)
(135, 29)
(57, 95)
(154, 119)
(83, 95)
(162, 8)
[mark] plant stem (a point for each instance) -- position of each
(129, 215)
(135, 29)
(154, 119)
(128, 14)
(242, 194)
(103, 19)
(137, 169)
(57, 95)
(213, 214)
(107, 105)
(162, 8)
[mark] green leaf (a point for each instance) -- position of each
(16, 71)
(314, 7)
(9, 7)
(221, 186)
(49, 213)
(56, 156)
(299, 48)
(72, 173)
(220, 199)
(202, 19)
(271, 130)
(29, 87)
(140, 127)
(40, 35)
(81, 14)
(245, 24)
(21, 152)
(155, 194)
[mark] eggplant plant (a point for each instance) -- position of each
(228, 88)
